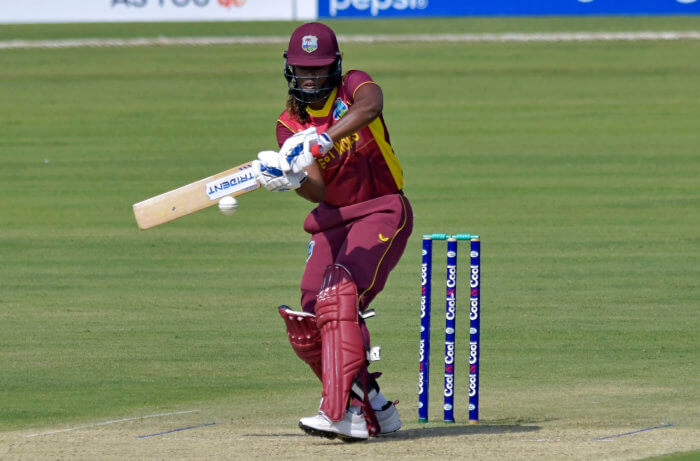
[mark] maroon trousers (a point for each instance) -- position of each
(367, 238)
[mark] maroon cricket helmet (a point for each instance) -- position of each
(312, 45)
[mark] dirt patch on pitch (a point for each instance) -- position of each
(196, 436)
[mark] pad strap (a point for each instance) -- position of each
(364, 389)
(304, 336)
(343, 350)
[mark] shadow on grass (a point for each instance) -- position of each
(433, 431)
(454, 430)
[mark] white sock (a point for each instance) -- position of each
(379, 401)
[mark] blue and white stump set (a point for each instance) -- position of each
(474, 309)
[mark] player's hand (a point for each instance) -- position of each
(325, 144)
(267, 172)
(296, 152)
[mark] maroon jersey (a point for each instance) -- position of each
(360, 167)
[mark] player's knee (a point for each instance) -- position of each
(337, 299)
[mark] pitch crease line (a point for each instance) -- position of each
(661, 426)
(113, 421)
(175, 430)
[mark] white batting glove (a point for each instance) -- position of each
(271, 161)
(296, 151)
(267, 172)
(325, 144)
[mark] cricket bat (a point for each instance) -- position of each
(195, 196)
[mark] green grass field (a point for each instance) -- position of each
(578, 163)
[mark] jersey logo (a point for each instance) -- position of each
(339, 109)
(310, 251)
(309, 43)
(382, 238)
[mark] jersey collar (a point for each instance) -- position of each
(320, 113)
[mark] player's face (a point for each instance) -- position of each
(311, 78)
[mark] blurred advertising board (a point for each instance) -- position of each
(55, 11)
(437, 8)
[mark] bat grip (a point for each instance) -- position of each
(316, 151)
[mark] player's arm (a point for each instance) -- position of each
(368, 105)
(313, 188)
(299, 150)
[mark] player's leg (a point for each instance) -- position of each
(372, 249)
(344, 360)
(374, 245)
(322, 251)
(385, 411)
(389, 222)
(304, 336)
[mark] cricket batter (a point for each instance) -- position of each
(336, 151)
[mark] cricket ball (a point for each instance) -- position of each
(228, 205)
